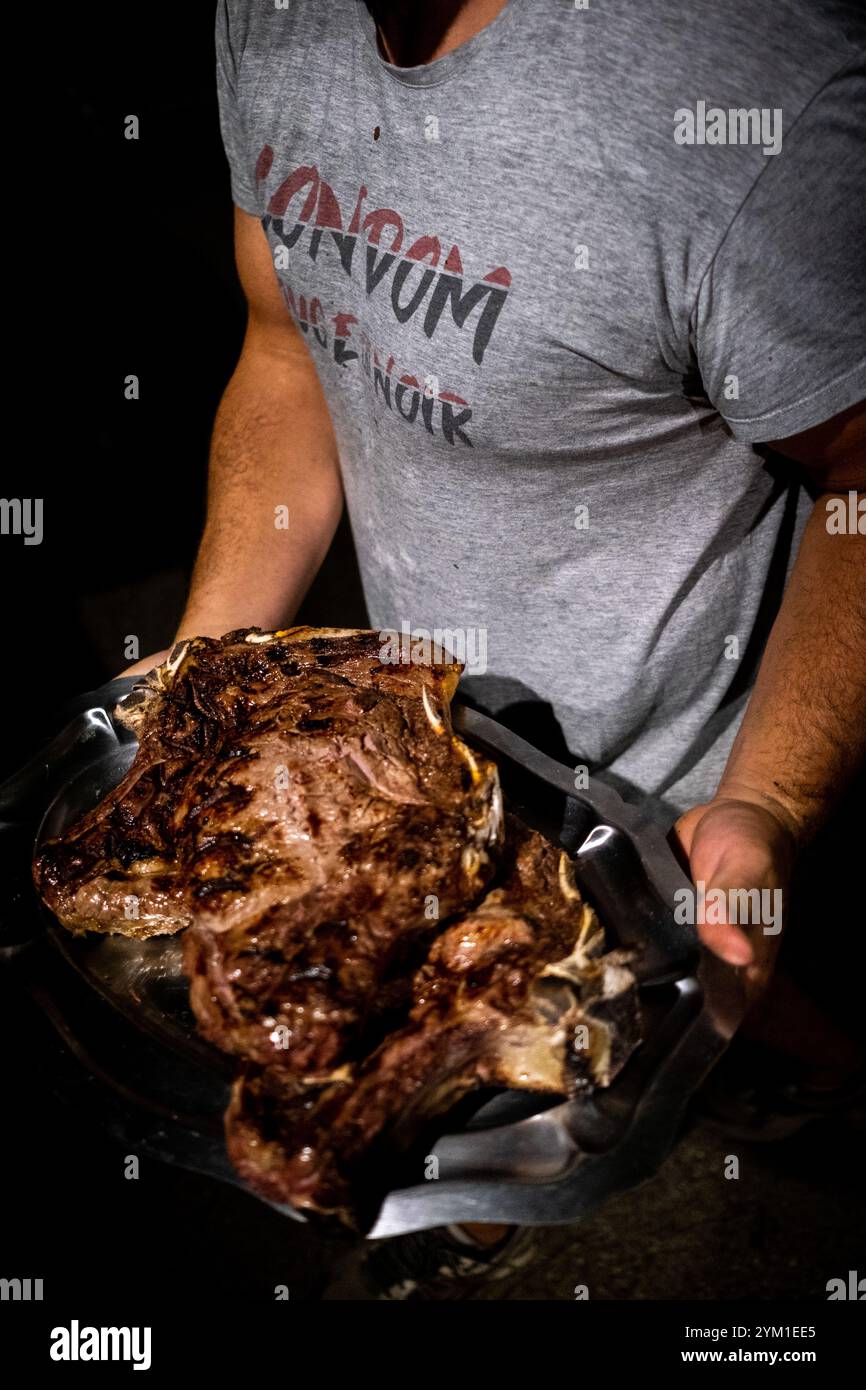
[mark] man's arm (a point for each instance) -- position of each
(804, 731)
(273, 446)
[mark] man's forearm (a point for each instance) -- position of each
(273, 458)
(804, 731)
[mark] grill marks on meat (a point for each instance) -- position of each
(518, 993)
(308, 815)
(296, 804)
(116, 870)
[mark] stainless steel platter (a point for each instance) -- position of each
(524, 1158)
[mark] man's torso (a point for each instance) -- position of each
(495, 261)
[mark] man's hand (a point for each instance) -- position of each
(804, 730)
(733, 843)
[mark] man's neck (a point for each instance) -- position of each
(411, 34)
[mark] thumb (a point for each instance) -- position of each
(733, 849)
(723, 937)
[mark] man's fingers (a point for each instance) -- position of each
(738, 861)
(728, 942)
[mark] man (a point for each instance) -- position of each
(567, 302)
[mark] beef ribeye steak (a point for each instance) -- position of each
(298, 806)
(301, 807)
(518, 992)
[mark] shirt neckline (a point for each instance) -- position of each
(441, 69)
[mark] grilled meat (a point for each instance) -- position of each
(304, 810)
(518, 993)
(299, 806)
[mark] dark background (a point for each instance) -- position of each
(133, 273)
(130, 271)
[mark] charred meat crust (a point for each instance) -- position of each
(307, 813)
(518, 993)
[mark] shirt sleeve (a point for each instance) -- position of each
(228, 58)
(780, 319)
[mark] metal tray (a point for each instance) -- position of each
(522, 1158)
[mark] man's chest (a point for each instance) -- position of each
(467, 288)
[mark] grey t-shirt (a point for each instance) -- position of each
(555, 288)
